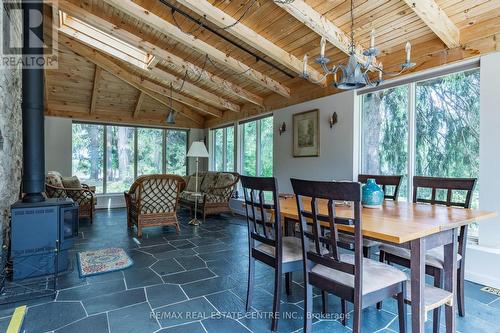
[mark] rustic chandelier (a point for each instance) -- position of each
(354, 74)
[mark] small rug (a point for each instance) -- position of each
(102, 261)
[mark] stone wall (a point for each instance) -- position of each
(11, 131)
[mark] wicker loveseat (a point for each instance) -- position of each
(82, 194)
(217, 188)
(152, 201)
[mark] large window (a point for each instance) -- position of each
(149, 151)
(111, 157)
(120, 150)
(177, 142)
(385, 134)
(88, 154)
(428, 128)
(447, 131)
(254, 145)
(223, 148)
(249, 148)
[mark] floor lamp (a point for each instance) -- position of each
(197, 150)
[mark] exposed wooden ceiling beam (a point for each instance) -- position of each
(138, 104)
(95, 92)
(187, 87)
(80, 112)
(135, 81)
(138, 82)
(176, 63)
(437, 20)
(250, 37)
(165, 27)
(322, 26)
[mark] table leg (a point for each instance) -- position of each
(450, 281)
(417, 266)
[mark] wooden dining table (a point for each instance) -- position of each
(418, 227)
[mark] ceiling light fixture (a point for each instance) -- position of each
(171, 113)
(354, 75)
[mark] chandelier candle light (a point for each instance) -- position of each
(354, 75)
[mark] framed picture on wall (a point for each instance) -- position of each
(306, 134)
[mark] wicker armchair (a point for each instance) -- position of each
(217, 189)
(84, 196)
(152, 201)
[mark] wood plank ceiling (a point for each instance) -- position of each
(242, 57)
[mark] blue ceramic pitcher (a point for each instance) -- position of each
(372, 194)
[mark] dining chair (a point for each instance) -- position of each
(435, 257)
(350, 276)
(266, 241)
(390, 186)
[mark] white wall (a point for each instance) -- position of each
(58, 135)
(489, 155)
(338, 151)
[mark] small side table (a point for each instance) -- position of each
(196, 196)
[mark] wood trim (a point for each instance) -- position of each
(437, 20)
(81, 113)
(250, 37)
(177, 63)
(95, 88)
(165, 27)
(323, 27)
(138, 104)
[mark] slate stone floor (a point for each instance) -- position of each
(196, 282)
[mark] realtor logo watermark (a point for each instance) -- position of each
(42, 41)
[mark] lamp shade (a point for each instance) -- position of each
(197, 149)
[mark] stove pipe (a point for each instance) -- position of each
(33, 103)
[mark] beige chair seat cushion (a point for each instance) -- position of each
(71, 182)
(349, 239)
(376, 275)
(292, 249)
(434, 257)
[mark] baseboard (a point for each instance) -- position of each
(482, 265)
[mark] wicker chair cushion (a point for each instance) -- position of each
(376, 275)
(71, 182)
(54, 178)
(191, 182)
(434, 257)
(187, 195)
(209, 181)
(224, 179)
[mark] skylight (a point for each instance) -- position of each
(104, 42)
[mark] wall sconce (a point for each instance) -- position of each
(282, 128)
(333, 120)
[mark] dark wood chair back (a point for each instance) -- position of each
(449, 185)
(329, 192)
(387, 182)
(258, 211)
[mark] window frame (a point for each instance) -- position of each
(135, 144)
(239, 144)
(213, 160)
(412, 119)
